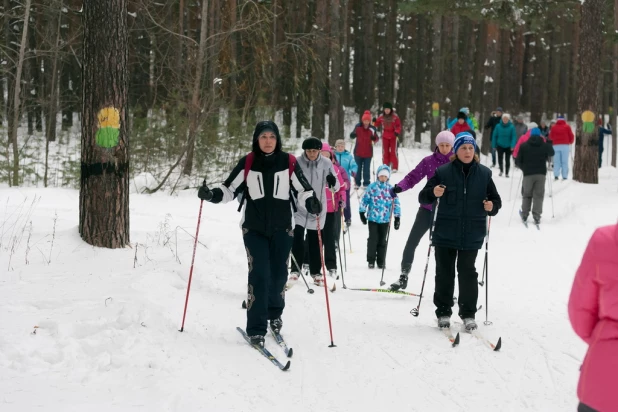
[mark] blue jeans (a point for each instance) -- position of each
(364, 167)
(561, 160)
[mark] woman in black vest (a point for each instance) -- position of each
(466, 194)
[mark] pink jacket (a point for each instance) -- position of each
(340, 195)
(593, 310)
(521, 141)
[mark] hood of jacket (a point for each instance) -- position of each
(259, 128)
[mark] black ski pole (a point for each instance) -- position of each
(342, 235)
(300, 270)
(339, 248)
(415, 311)
(388, 235)
(482, 282)
(487, 322)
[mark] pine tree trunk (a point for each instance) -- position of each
(613, 112)
(347, 16)
(320, 72)
(104, 193)
(335, 122)
(420, 78)
(479, 71)
(489, 103)
(586, 168)
(573, 103)
(436, 79)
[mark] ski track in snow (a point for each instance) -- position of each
(107, 335)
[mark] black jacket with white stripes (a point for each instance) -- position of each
(267, 205)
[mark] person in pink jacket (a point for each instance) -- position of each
(333, 199)
(593, 311)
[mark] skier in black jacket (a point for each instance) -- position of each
(466, 194)
(494, 120)
(267, 223)
(532, 160)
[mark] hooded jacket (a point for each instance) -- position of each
(315, 172)
(267, 207)
(533, 156)
(377, 200)
(346, 160)
(426, 168)
(561, 133)
(593, 311)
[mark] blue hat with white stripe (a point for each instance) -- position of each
(463, 138)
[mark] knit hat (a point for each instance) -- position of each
(532, 125)
(535, 132)
(326, 147)
(387, 105)
(445, 137)
(312, 143)
(499, 109)
(508, 116)
(263, 127)
(561, 117)
(462, 115)
(366, 116)
(465, 110)
(463, 138)
(340, 141)
(384, 170)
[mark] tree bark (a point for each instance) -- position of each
(104, 191)
(489, 87)
(320, 72)
(436, 80)
(16, 94)
(335, 122)
(50, 131)
(419, 116)
(586, 167)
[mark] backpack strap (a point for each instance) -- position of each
(291, 164)
(248, 164)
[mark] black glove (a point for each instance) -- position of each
(313, 205)
(331, 180)
(397, 189)
(374, 138)
(353, 135)
(373, 120)
(397, 223)
(363, 218)
(205, 193)
(396, 134)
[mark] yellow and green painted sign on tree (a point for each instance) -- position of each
(588, 119)
(109, 127)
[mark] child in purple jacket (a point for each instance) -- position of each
(426, 168)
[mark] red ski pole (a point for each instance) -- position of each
(197, 232)
(330, 324)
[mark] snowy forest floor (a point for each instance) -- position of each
(84, 328)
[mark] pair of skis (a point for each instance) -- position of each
(266, 353)
(525, 222)
(454, 339)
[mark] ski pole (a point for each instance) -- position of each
(309, 290)
(342, 235)
(415, 311)
(514, 203)
(388, 232)
(482, 282)
(197, 232)
(551, 193)
(487, 322)
(330, 324)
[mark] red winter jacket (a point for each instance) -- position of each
(458, 128)
(561, 133)
(391, 126)
(364, 142)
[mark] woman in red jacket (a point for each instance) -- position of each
(391, 128)
(461, 125)
(365, 135)
(561, 136)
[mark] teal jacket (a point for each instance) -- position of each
(504, 136)
(346, 160)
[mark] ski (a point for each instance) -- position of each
(477, 334)
(538, 227)
(449, 334)
(288, 351)
(265, 352)
(393, 292)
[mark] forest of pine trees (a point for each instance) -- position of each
(201, 73)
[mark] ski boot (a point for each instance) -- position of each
(292, 280)
(380, 265)
(257, 340)
(444, 322)
(333, 274)
(470, 325)
(318, 280)
(371, 265)
(276, 325)
(305, 268)
(402, 283)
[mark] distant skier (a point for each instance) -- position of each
(375, 208)
(504, 139)
(602, 132)
(426, 168)
(366, 135)
(265, 177)
(532, 160)
(346, 160)
(562, 137)
(494, 120)
(593, 311)
(391, 127)
(467, 195)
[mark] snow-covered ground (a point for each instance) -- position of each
(89, 329)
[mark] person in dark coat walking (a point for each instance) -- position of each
(267, 222)
(466, 194)
(493, 121)
(602, 132)
(532, 160)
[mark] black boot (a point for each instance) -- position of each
(276, 325)
(257, 340)
(402, 283)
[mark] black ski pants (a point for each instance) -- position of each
(421, 225)
(445, 281)
(268, 273)
(504, 156)
(311, 246)
(306, 251)
(376, 243)
(585, 408)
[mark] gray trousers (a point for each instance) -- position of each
(533, 188)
